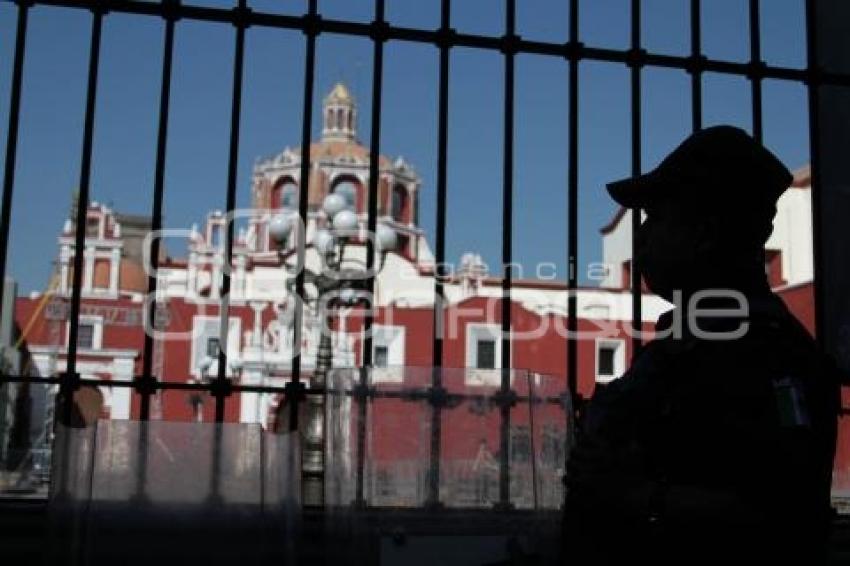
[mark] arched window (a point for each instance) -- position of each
(285, 195)
(340, 123)
(289, 196)
(348, 191)
(399, 204)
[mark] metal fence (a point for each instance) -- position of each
(379, 31)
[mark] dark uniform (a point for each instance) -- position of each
(709, 450)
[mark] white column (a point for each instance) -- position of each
(249, 403)
(257, 335)
(88, 274)
(114, 270)
(215, 284)
(122, 371)
(239, 277)
(192, 275)
(64, 258)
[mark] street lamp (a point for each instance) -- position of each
(337, 284)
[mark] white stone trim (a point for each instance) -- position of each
(393, 338)
(619, 346)
(200, 334)
(97, 333)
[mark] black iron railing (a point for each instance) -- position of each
(379, 31)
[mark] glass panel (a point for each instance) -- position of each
(8, 24)
(783, 33)
(540, 215)
(726, 29)
(485, 354)
(193, 478)
(26, 438)
(380, 357)
(288, 7)
(39, 268)
(543, 20)
(423, 14)
(666, 27)
(726, 100)
(553, 434)
(474, 432)
(393, 429)
(398, 440)
(348, 10)
(481, 17)
(605, 362)
(409, 140)
(85, 336)
(475, 183)
(604, 156)
(605, 23)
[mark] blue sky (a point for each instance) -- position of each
(125, 132)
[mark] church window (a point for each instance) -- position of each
(382, 355)
(348, 191)
(85, 336)
(289, 196)
(399, 204)
(92, 227)
(486, 350)
(213, 346)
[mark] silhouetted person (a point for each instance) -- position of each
(712, 446)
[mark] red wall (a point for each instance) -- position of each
(545, 354)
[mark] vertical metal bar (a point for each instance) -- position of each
(507, 252)
(813, 63)
(573, 403)
(440, 256)
(532, 382)
(303, 195)
(312, 461)
(70, 381)
(572, 210)
(374, 170)
(220, 391)
(156, 213)
(696, 68)
(636, 288)
(442, 141)
(12, 139)
(371, 223)
(755, 62)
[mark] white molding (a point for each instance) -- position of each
(476, 331)
(393, 338)
(97, 333)
(234, 336)
(619, 346)
(101, 353)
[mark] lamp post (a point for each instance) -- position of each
(339, 282)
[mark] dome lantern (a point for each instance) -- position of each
(340, 115)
